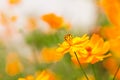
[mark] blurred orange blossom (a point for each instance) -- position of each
(111, 65)
(112, 9)
(14, 2)
(55, 22)
(114, 40)
(30, 77)
(44, 75)
(50, 55)
(13, 64)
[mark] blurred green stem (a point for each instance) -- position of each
(93, 68)
(81, 66)
(116, 72)
(35, 56)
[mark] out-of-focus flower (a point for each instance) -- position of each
(31, 24)
(113, 38)
(91, 77)
(44, 75)
(14, 18)
(105, 31)
(115, 45)
(94, 51)
(50, 55)
(3, 19)
(13, 64)
(112, 11)
(111, 65)
(53, 20)
(73, 44)
(14, 2)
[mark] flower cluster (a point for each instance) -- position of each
(88, 50)
(30, 47)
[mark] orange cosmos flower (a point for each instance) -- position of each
(53, 20)
(50, 55)
(44, 75)
(94, 51)
(13, 65)
(112, 11)
(111, 65)
(13, 2)
(73, 44)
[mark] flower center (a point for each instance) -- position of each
(68, 38)
(89, 50)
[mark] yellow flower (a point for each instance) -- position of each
(112, 11)
(50, 55)
(53, 20)
(27, 78)
(13, 65)
(72, 44)
(88, 51)
(44, 75)
(94, 51)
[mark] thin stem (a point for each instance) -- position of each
(116, 72)
(93, 68)
(81, 66)
(34, 53)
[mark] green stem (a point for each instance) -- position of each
(34, 53)
(116, 72)
(93, 68)
(81, 66)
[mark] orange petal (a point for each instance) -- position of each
(53, 20)
(112, 11)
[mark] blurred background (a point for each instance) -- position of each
(30, 30)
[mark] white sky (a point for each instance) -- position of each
(80, 13)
